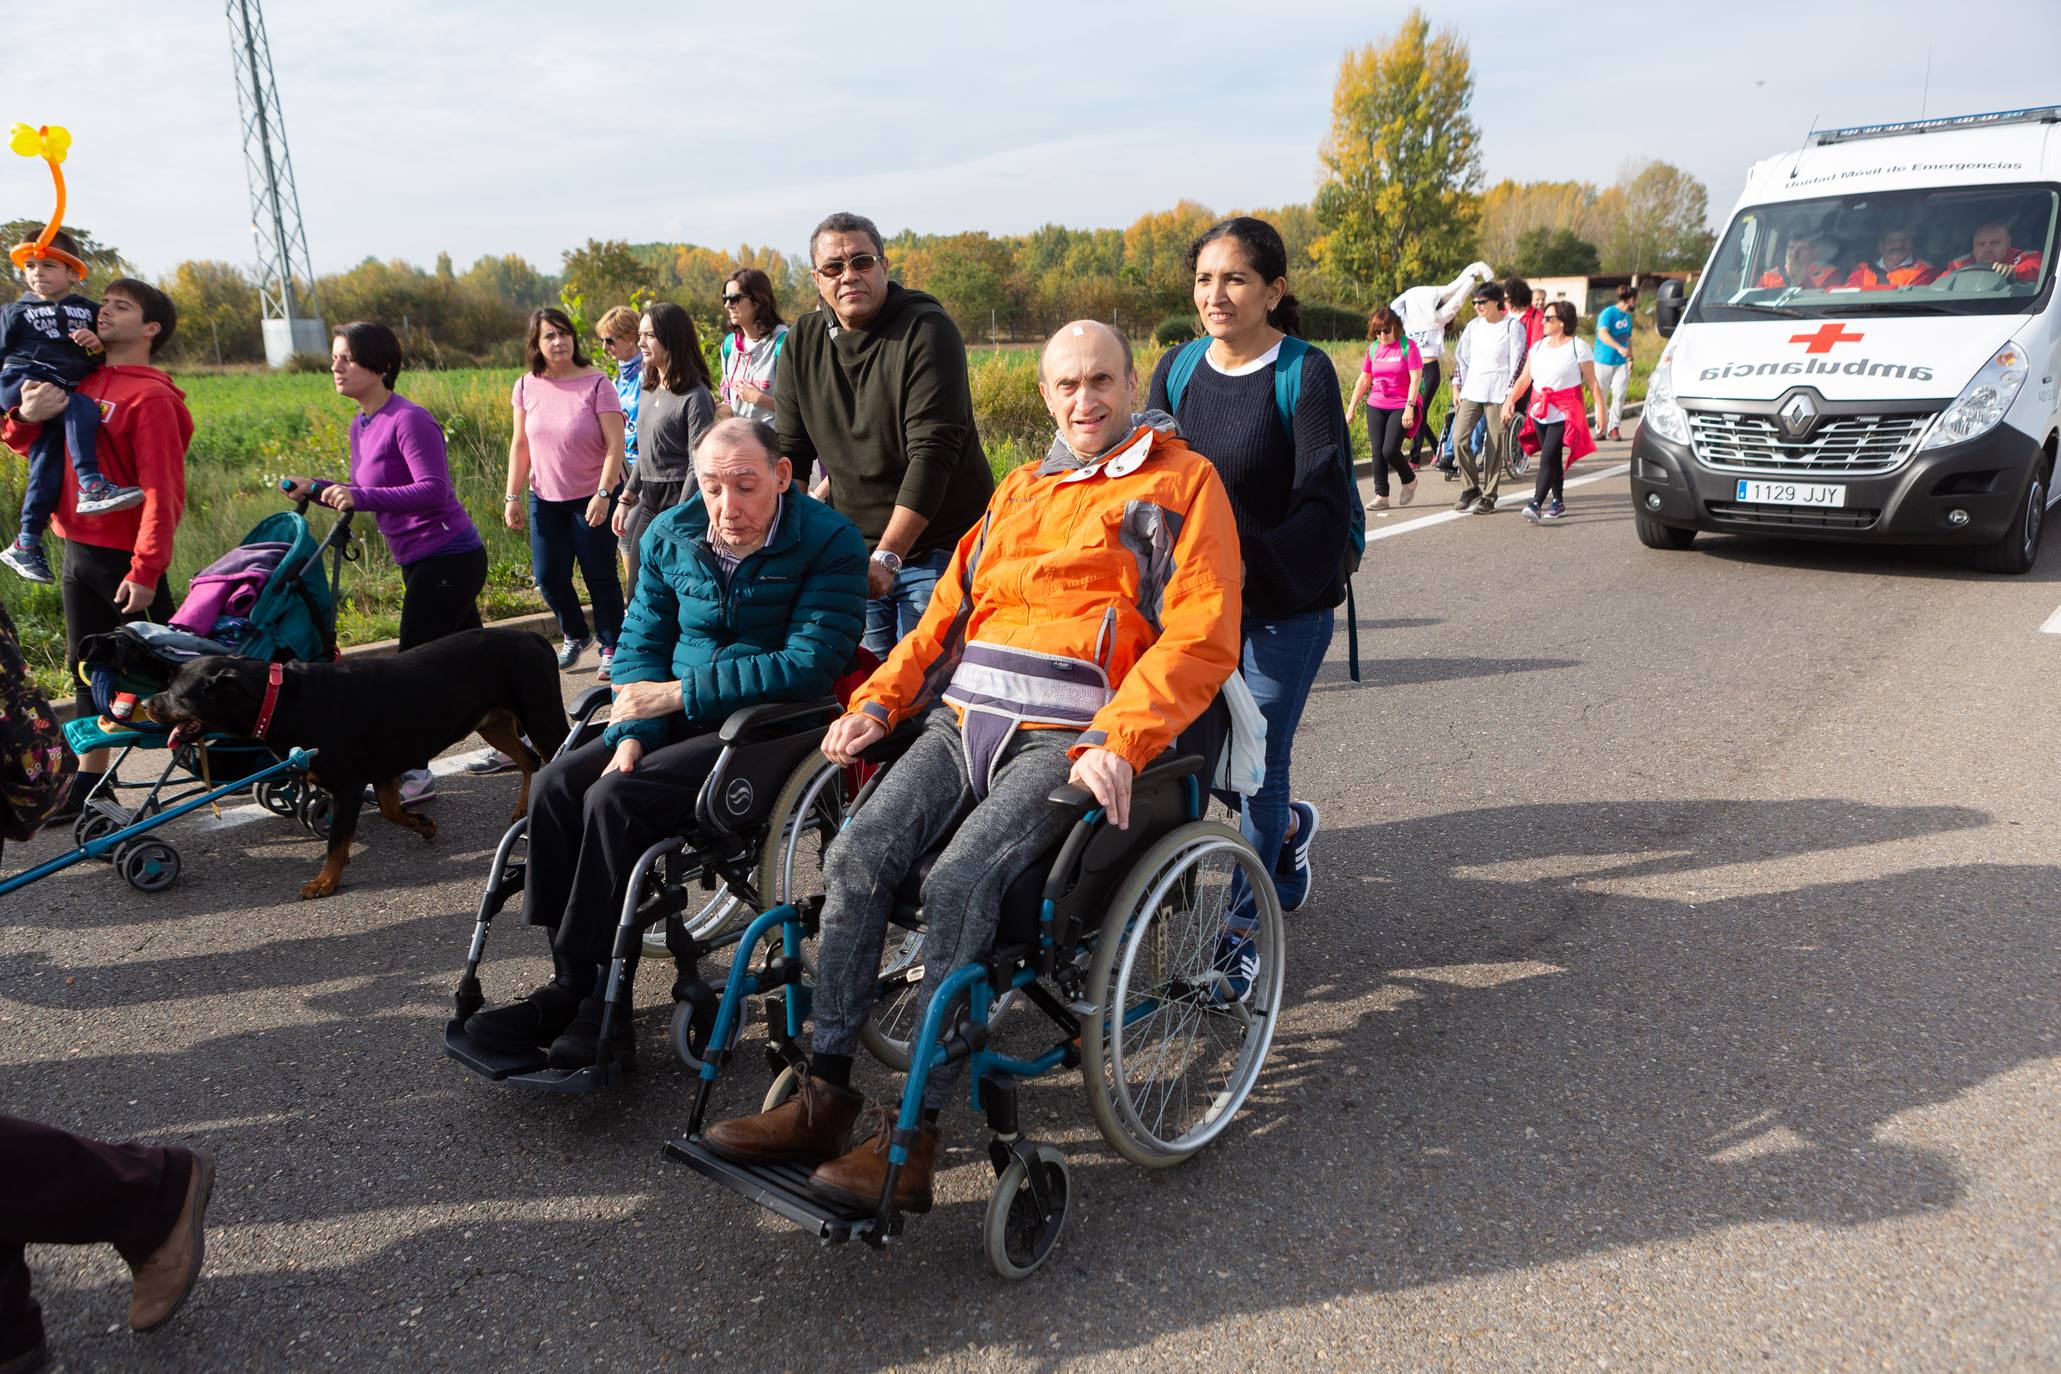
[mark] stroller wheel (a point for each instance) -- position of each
(148, 865)
(92, 825)
(280, 796)
(316, 809)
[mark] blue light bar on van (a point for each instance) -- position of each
(2038, 114)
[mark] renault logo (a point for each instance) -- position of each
(1798, 414)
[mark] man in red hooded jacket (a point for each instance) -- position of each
(115, 564)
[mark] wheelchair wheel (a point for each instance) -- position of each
(1017, 1233)
(807, 814)
(1168, 1060)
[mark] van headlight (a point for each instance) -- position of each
(1662, 411)
(1982, 402)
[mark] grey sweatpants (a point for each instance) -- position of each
(924, 797)
(1485, 469)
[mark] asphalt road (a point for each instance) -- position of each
(1679, 992)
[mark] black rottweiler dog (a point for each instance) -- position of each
(371, 719)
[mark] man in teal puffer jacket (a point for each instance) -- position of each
(749, 591)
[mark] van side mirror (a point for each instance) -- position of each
(1668, 305)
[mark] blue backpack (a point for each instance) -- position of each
(1287, 389)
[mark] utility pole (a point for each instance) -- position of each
(292, 317)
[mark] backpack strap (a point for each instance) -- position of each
(1186, 358)
(1288, 380)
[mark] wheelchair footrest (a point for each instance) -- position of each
(529, 1069)
(782, 1188)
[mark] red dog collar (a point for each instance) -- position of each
(274, 675)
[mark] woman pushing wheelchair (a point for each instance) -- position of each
(1082, 625)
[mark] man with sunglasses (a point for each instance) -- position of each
(873, 387)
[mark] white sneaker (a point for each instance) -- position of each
(488, 761)
(418, 785)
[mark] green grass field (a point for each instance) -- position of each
(252, 428)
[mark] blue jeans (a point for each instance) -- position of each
(1279, 660)
(79, 432)
(894, 615)
(559, 535)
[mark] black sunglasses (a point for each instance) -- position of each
(860, 263)
(732, 300)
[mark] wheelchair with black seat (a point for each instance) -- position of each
(696, 884)
(1112, 939)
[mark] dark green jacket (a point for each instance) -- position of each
(886, 410)
(782, 629)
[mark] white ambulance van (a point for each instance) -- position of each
(1872, 351)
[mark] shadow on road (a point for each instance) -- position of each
(1516, 1036)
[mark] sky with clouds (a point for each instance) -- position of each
(512, 126)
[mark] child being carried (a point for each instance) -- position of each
(47, 336)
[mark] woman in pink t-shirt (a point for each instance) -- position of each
(568, 451)
(1390, 378)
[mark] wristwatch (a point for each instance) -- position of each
(888, 559)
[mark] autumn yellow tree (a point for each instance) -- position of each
(1402, 164)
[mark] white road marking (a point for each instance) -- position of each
(2053, 624)
(1427, 521)
(246, 812)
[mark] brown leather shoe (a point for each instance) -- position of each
(855, 1179)
(808, 1128)
(162, 1281)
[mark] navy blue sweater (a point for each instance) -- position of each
(1288, 496)
(36, 339)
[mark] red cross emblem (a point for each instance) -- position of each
(1826, 335)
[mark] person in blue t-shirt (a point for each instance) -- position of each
(1614, 352)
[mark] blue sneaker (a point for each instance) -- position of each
(1531, 512)
(1292, 869)
(1237, 959)
(25, 557)
(1556, 509)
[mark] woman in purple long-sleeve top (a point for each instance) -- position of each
(401, 474)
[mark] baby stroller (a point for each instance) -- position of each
(277, 603)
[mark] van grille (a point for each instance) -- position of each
(1776, 518)
(1847, 444)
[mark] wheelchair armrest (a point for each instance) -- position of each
(588, 702)
(756, 720)
(1166, 768)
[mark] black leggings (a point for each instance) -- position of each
(1427, 392)
(1385, 437)
(1552, 472)
(441, 596)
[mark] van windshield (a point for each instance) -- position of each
(1978, 250)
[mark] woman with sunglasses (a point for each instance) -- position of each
(751, 348)
(1392, 376)
(1288, 495)
(676, 409)
(1555, 372)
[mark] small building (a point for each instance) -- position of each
(1590, 294)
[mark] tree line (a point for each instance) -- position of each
(1400, 202)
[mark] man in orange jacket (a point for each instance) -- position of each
(1992, 248)
(1085, 621)
(1800, 267)
(1895, 265)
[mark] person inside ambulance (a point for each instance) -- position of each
(1801, 267)
(1993, 249)
(1895, 264)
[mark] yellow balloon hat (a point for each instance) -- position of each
(50, 142)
